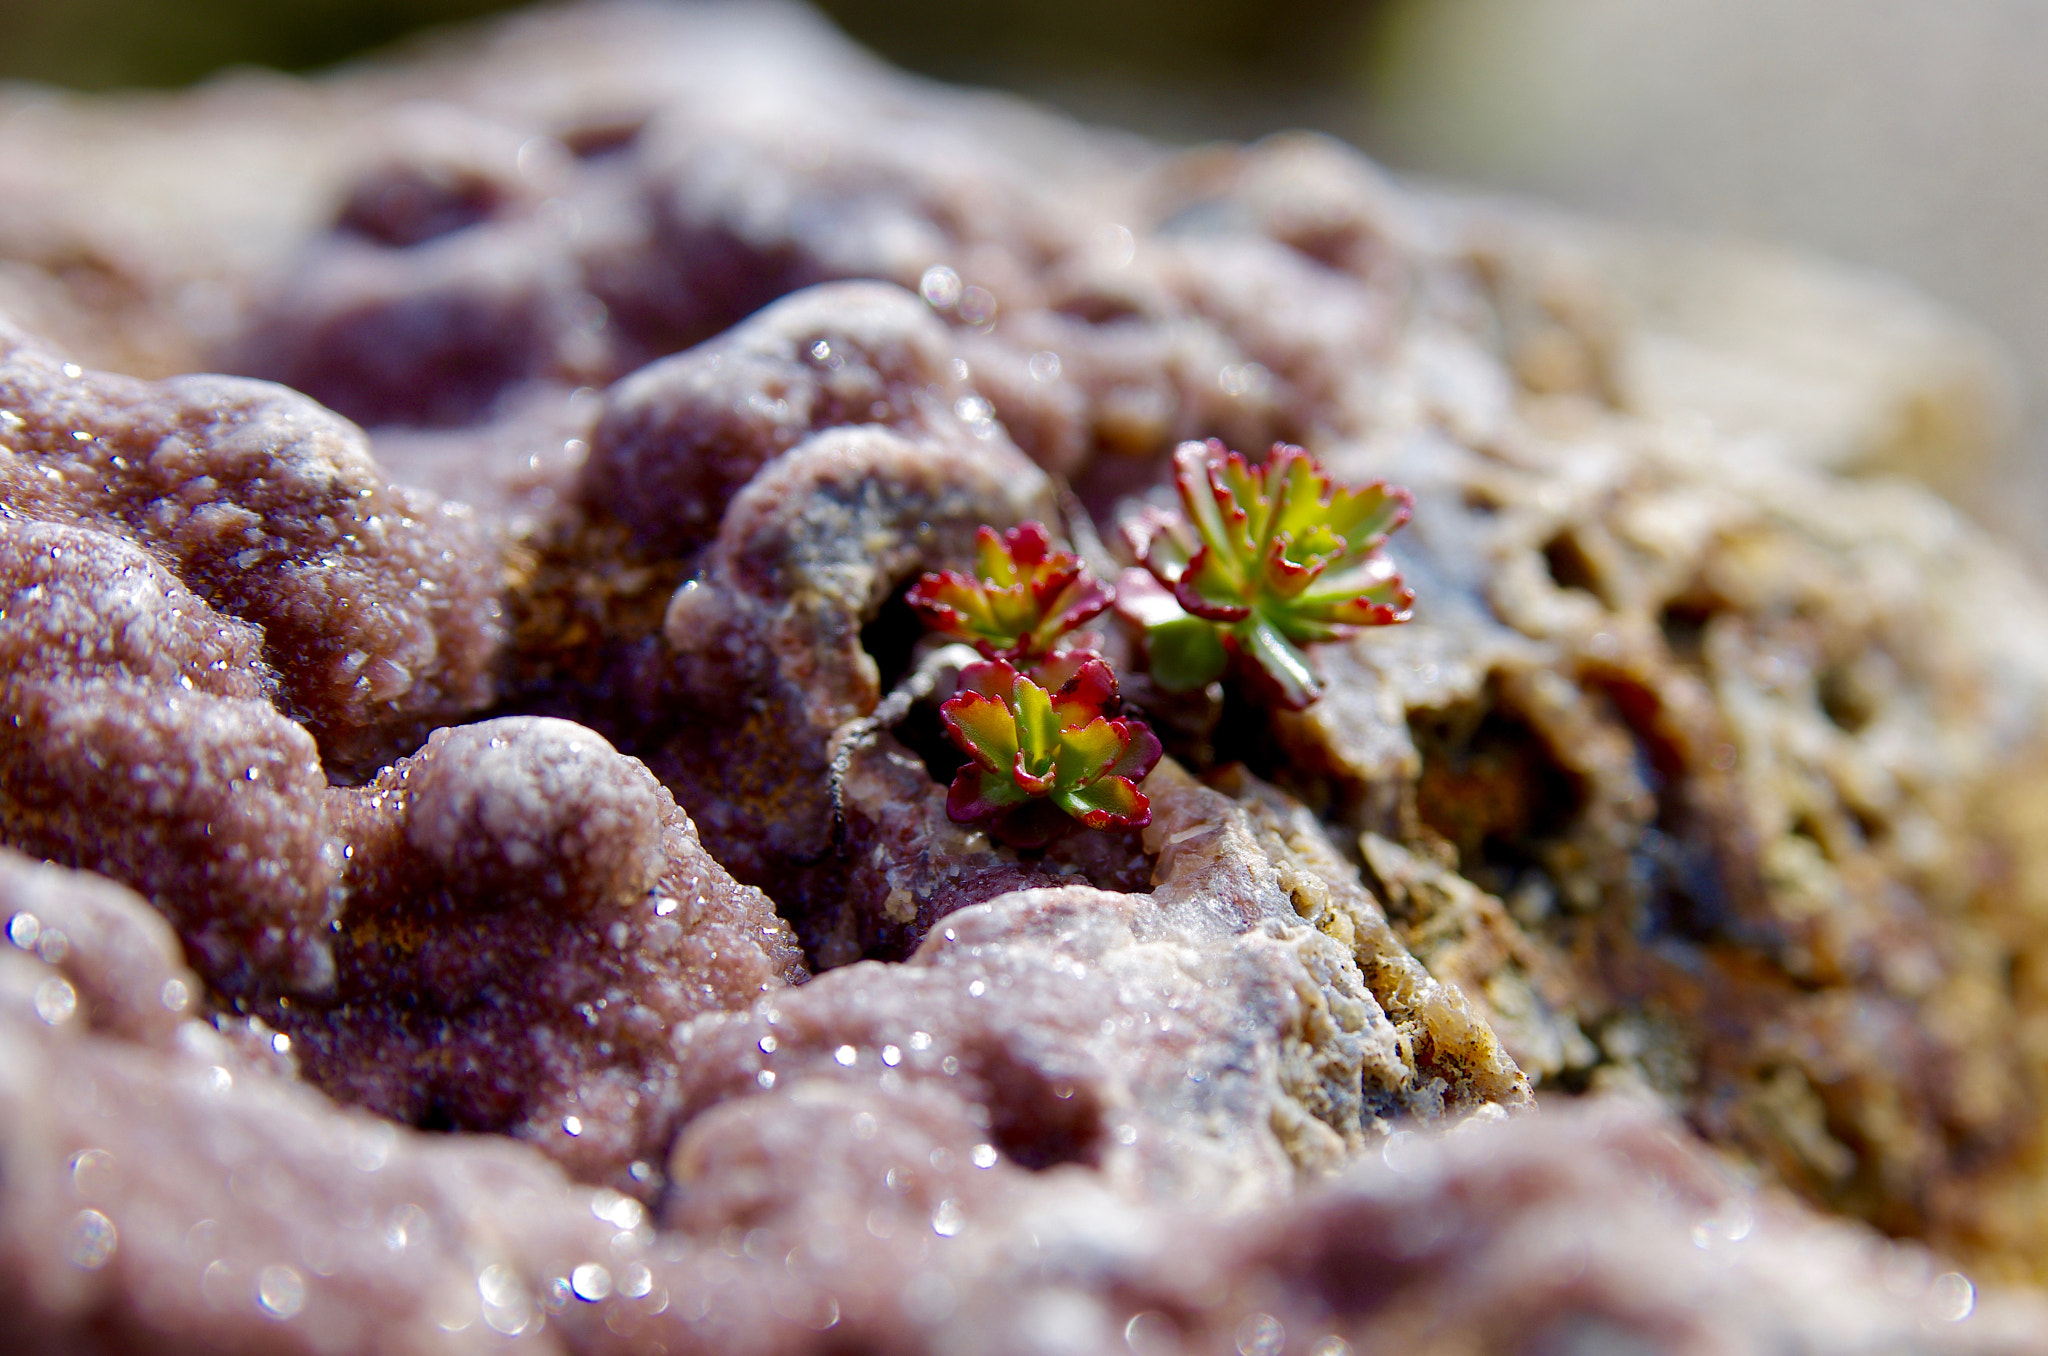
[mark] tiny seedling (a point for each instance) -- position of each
(1042, 750)
(1023, 599)
(1263, 560)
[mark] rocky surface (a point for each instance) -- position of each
(982, 1185)
(482, 764)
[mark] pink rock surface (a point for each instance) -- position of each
(543, 987)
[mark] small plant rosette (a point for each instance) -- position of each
(1043, 752)
(1022, 601)
(1262, 560)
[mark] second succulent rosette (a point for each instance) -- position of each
(1263, 560)
(1021, 601)
(1043, 751)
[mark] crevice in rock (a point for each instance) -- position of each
(891, 635)
(1491, 788)
(1571, 567)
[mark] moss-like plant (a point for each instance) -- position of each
(1264, 559)
(1022, 601)
(1042, 750)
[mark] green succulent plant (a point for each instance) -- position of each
(1022, 601)
(1263, 560)
(1042, 752)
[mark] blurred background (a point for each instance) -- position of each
(1898, 136)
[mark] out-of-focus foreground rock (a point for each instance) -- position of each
(462, 747)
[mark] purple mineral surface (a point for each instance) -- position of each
(474, 860)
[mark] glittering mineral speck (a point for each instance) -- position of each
(940, 287)
(619, 1211)
(56, 1000)
(91, 1240)
(636, 1281)
(978, 306)
(406, 1228)
(948, 1219)
(507, 1307)
(1952, 1297)
(1402, 1150)
(280, 1291)
(1243, 379)
(217, 1285)
(1114, 244)
(1731, 1223)
(591, 1282)
(92, 1172)
(371, 1146)
(1261, 1335)
(22, 930)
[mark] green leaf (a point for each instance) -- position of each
(1285, 668)
(1112, 803)
(983, 729)
(1186, 654)
(1365, 516)
(1085, 752)
(1038, 730)
(1204, 499)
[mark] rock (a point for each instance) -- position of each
(578, 816)
(527, 916)
(175, 1187)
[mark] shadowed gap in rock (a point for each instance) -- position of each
(1491, 788)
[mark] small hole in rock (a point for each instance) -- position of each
(410, 205)
(1098, 308)
(1491, 787)
(924, 734)
(1040, 1123)
(1684, 622)
(1845, 699)
(891, 637)
(1243, 733)
(1478, 499)
(438, 1118)
(590, 140)
(1570, 567)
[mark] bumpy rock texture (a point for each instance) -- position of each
(480, 764)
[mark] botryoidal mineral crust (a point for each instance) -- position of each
(430, 926)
